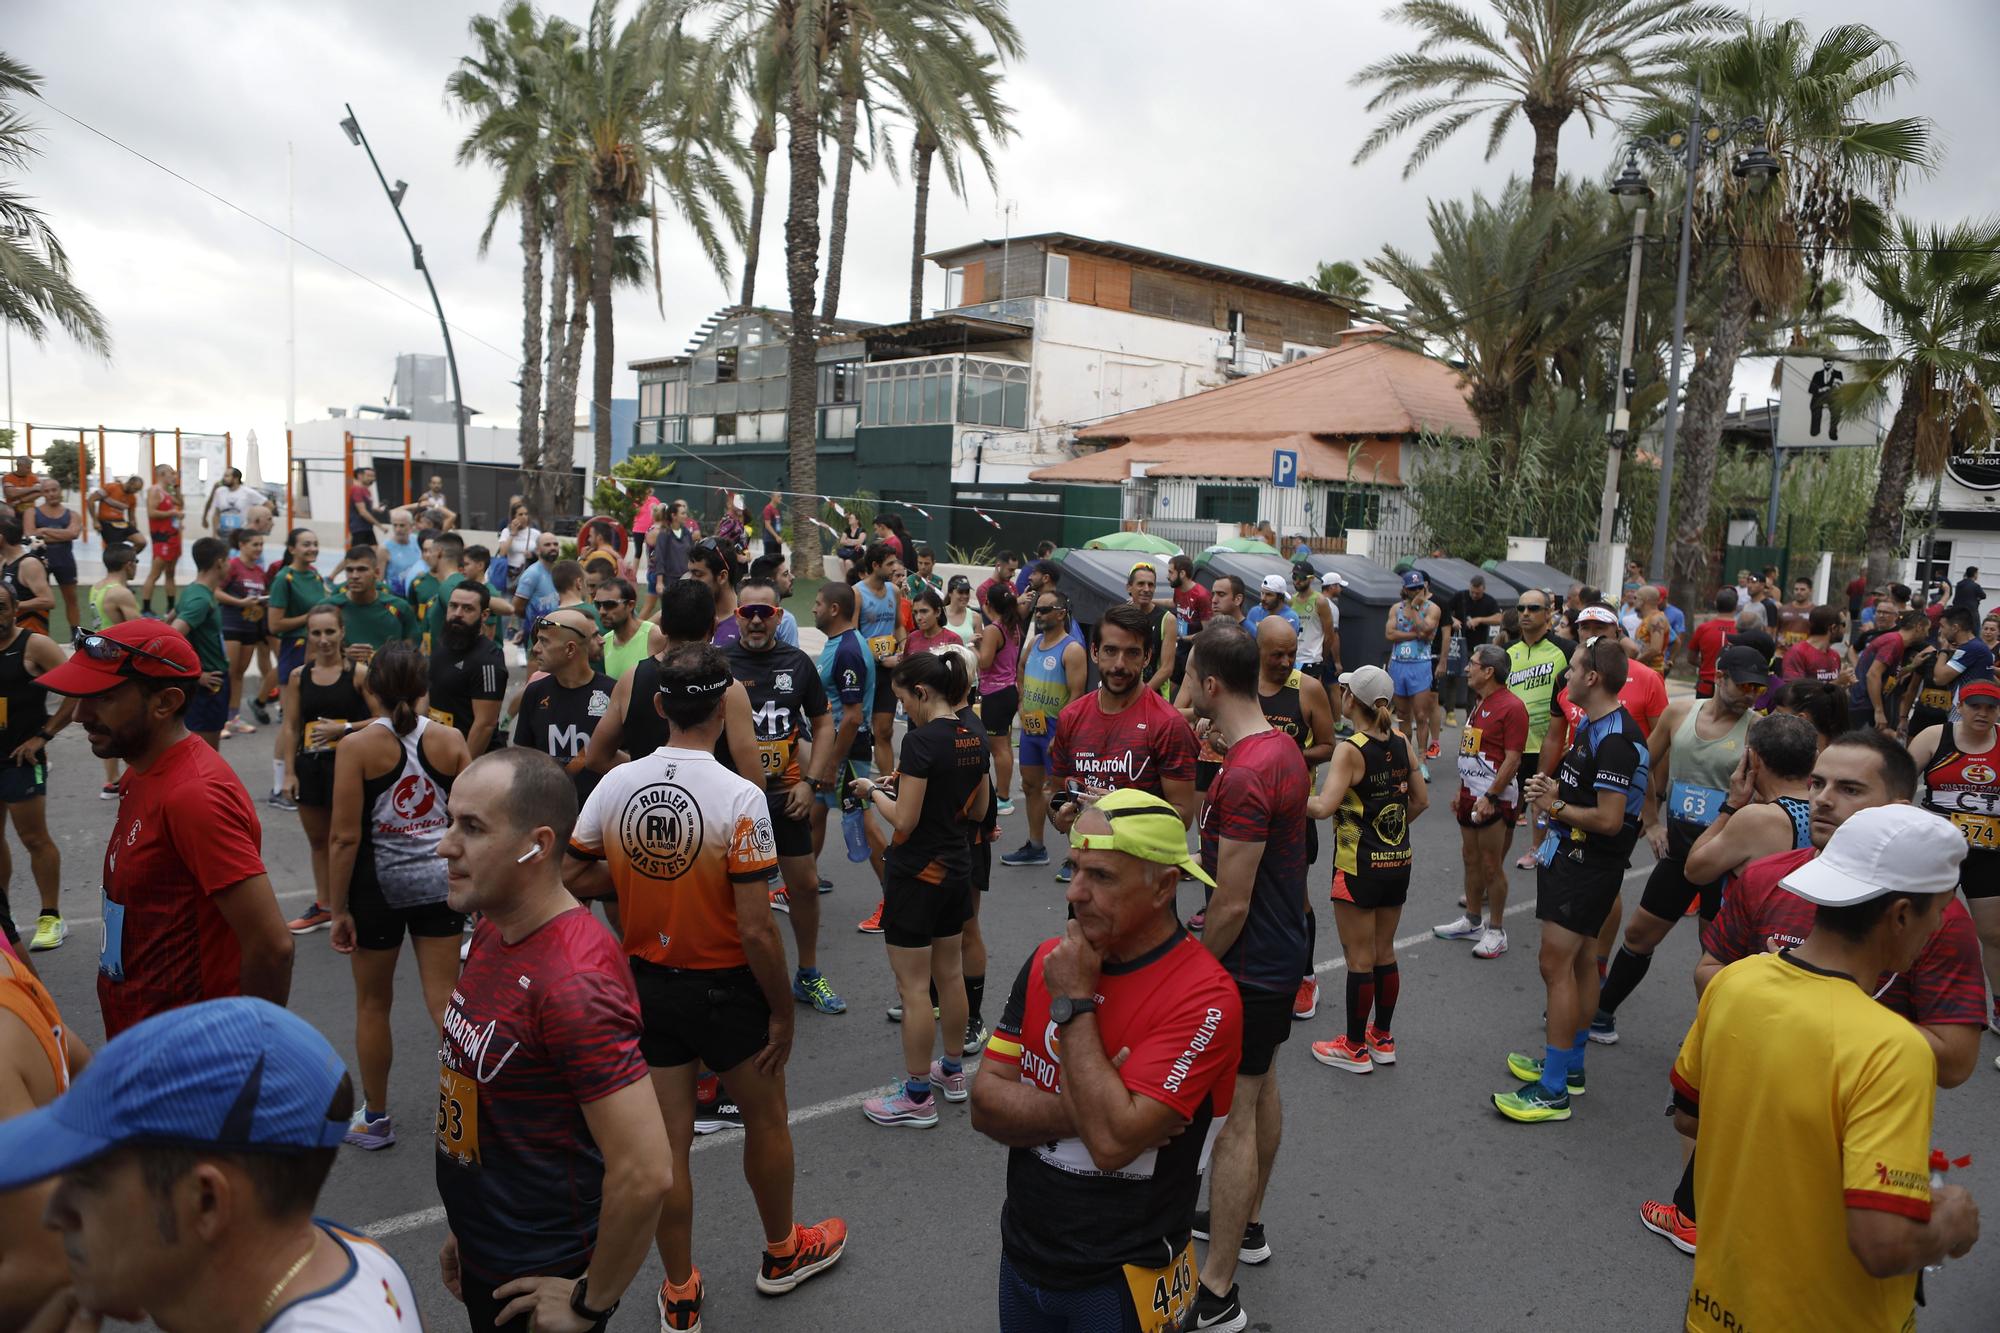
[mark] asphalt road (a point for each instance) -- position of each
(1401, 1200)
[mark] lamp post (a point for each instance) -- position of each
(352, 126)
(1756, 168)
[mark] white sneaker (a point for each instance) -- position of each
(1460, 927)
(1492, 943)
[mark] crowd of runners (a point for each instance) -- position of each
(489, 743)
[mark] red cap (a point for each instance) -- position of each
(1979, 689)
(157, 650)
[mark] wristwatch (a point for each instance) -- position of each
(1558, 807)
(582, 1311)
(1063, 1009)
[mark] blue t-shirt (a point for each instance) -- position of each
(1258, 613)
(788, 629)
(1973, 661)
(539, 589)
(847, 671)
(405, 559)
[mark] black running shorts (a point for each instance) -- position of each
(1577, 896)
(717, 1016)
(915, 913)
(1267, 1022)
(1669, 891)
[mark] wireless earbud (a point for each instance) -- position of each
(528, 855)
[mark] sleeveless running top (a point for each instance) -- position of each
(97, 592)
(340, 701)
(1372, 826)
(24, 705)
(1698, 776)
(406, 820)
(1312, 635)
(28, 1000)
(967, 632)
(10, 574)
(1004, 674)
(1800, 809)
(1286, 710)
(1411, 650)
(1965, 788)
(875, 617)
(620, 659)
(1044, 686)
(59, 521)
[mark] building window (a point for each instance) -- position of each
(954, 287)
(652, 399)
(1226, 504)
(1058, 278)
(725, 365)
(993, 393)
(725, 428)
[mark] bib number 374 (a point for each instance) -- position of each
(1161, 1297)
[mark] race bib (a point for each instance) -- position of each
(322, 733)
(458, 1116)
(775, 757)
(1981, 831)
(1934, 697)
(1409, 650)
(1161, 1296)
(111, 955)
(1032, 724)
(1696, 805)
(1469, 741)
(228, 522)
(3, 711)
(254, 612)
(439, 716)
(882, 645)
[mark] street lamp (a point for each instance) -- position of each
(1756, 168)
(352, 127)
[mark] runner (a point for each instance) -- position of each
(383, 877)
(363, 517)
(1706, 643)
(1768, 807)
(58, 526)
(1538, 665)
(980, 839)
(229, 502)
(238, 1247)
(1227, 597)
(628, 640)
(634, 725)
(25, 732)
(1414, 664)
(927, 629)
(117, 511)
(39, 1055)
(960, 617)
(1654, 636)
(1489, 756)
(1593, 807)
(25, 574)
(552, 1162)
(1792, 1067)
(198, 618)
(878, 617)
(560, 708)
(1330, 584)
(1878, 696)
(1273, 599)
(1813, 657)
(1108, 1079)
(1000, 641)
(1254, 850)
(535, 593)
(687, 846)
(1162, 626)
(163, 525)
(242, 598)
(1053, 670)
(939, 789)
(789, 704)
(112, 603)
(468, 669)
(1374, 792)
(1961, 775)
(1693, 757)
(1193, 605)
(322, 701)
(444, 556)
(371, 615)
(846, 672)
(1795, 616)
(1964, 657)
(777, 571)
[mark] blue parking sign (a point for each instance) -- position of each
(1284, 468)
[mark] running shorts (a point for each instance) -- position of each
(207, 710)
(793, 836)
(1669, 891)
(997, 709)
(1371, 890)
(1267, 1022)
(24, 782)
(1410, 679)
(1504, 811)
(377, 925)
(718, 1015)
(915, 913)
(1204, 774)
(1035, 750)
(1577, 896)
(314, 771)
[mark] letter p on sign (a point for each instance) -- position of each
(1284, 469)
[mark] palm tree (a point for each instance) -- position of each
(1938, 347)
(35, 282)
(1340, 278)
(808, 30)
(1547, 61)
(948, 123)
(1836, 173)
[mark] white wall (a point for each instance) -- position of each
(321, 444)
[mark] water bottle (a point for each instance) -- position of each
(852, 827)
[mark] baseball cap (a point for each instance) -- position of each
(958, 583)
(238, 1074)
(1744, 665)
(1979, 689)
(1332, 579)
(1369, 684)
(1274, 583)
(1144, 826)
(1876, 851)
(129, 650)
(1597, 615)
(1415, 579)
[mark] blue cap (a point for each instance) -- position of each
(241, 1075)
(1415, 579)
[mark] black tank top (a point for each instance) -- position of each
(10, 574)
(645, 730)
(1286, 710)
(24, 705)
(342, 700)
(1372, 826)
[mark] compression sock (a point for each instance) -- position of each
(1555, 1070)
(917, 1090)
(1388, 984)
(1684, 1192)
(1577, 1049)
(1312, 934)
(1360, 999)
(975, 996)
(1628, 969)
(950, 1065)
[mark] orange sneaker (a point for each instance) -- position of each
(1664, 1219)
(1306, 1003)
(683, 1314)
(873, 925)
(1381, 1046)
(814, 1250)
(1341, 1053)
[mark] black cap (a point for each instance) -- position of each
(1743, 665)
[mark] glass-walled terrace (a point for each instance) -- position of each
(939, 390)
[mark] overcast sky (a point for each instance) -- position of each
(1222, 132)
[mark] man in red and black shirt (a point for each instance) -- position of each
(1710, 637)
(1943, 993)
(1192, 608)
(188, 910)
(552, 1157)
(1106, 1154)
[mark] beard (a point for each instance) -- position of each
(459, 637)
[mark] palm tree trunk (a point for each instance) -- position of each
(530, 204)
(843, 179)
(1690, 561)
(602, 367)
(1547, 123)
(801, 276)
(537, 485)
(562, 485)
(1884, 527)
(762, 141)
(926, 147)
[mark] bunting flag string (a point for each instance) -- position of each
(983, 514)
(919, 508)
(828, 499)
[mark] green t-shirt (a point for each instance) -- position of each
(430, 595)
(378, 622)
(295, 592)
(202, 614)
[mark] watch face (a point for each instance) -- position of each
(1059, 1009)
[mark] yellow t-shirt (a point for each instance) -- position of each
(1813, 1099)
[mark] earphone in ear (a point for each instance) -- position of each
(528, 855)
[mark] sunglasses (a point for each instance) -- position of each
(611, 605)
(1530, 606)
(1047, 610)
(100, 649)
(581, 636)
(757, 611)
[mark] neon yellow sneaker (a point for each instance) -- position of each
(1529, 1070)
(50, 932)
(1532, 1104)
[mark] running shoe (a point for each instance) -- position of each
(1216, 1314)
(1492, 943)
(897, 1110)
(1460, 927)
(256, 707)
(1425, 769)
(1381, 1045)
(1005, 806)
(1255, 1249)
(1306, 1003)
(955, 1087)
(1532, 1104)
(975, 1037)
(1198, 920)
(1432, 751)
(50, 932)
(236, 726)
(1065, 871)
(108, 792)
(720, 1114)
(1526, 861)
(813, 990)
(781, 901)
(683, 1315)
(1027, 854)
(814, 1250)
(1664, 1219)
(1340, 1053)
(1529, 1070)
(372, 1135)
(872, 925)
(896, 1012)
(826, 886)
(313, 918)
(280, 801)
(1604, 1029)
(1451, 719)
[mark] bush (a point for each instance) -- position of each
(60, 461)
(622, 501)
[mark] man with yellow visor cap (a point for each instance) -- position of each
(1108, 1078)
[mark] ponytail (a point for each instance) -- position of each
(1385, 716)
(398, 676)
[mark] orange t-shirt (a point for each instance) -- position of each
(28, 1000)
(679, 832)
(106, 513)
(20, 479)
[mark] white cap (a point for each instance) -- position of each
(1880, 850)
(1332, 579)
(1369, 684)
(1275, 583)
(1597, 615)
